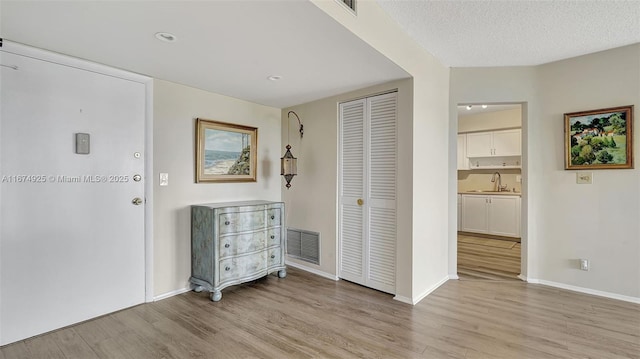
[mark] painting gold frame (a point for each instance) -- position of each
(599, 139)
(225, 152)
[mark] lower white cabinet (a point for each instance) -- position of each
(499, 214)
(459, 212)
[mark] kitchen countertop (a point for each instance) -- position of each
(492, 193)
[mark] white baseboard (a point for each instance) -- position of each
(171, 294)
(584, 290)
(403, 299)
(454, 276)
(312, 270)
(420, 297)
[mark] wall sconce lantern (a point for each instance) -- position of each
(288, 163)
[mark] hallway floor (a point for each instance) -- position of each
(482, 258)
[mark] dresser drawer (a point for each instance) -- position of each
(235, 244)
(243, 266)
(241, 221)
(273, 257)
(274, 217)
(273, 237)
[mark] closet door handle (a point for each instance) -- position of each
(360, 202)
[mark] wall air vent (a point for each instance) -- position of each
(304, 245)
(351, 4)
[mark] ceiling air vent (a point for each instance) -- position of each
(351, 4)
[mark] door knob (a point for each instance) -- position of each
(137, 201)
(360, 202)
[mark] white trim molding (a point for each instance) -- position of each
(172, 293)
(312, 270)
(584, 290)
(420, 297)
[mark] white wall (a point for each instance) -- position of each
(312, 199)
(599, 221)
(424, 197)
(567, 221)
(175, 109)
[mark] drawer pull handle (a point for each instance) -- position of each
(273, 217)
(227, 268)
(227, 223)
(273, 256)
(226, 245)
(272, 236)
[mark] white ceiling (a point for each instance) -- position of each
(515, 32)
(231, 47)
(226, 47)
(477, 108)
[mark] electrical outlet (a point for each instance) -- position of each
(584, 264)
(584, 177)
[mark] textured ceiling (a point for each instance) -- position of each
(226, 47)
(515, 32)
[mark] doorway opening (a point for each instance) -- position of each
(489, 191)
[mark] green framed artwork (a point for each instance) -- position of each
(599, 139)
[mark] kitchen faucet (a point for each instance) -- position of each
(499, 182)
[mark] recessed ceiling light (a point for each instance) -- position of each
(274, 78)
(468, 107)
(165, 36)
(484, 106)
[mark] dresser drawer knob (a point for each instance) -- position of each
(227, 268)
(227, 223)
(227, 245)
(273, 217)
(273, 256)
(272, 236)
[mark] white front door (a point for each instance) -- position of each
(71, 240)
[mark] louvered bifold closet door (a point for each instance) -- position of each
(367, 219)
(381, 201)
(352, 172)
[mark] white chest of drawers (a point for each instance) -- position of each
(236, 242)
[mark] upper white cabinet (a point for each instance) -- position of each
(494, 144)
(463, 161)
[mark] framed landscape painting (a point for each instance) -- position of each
(225, 152)
(599, 139)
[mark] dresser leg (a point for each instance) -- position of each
(216, 295)
(282, 273)
(198, 289)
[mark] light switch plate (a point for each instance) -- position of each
(164, 179)
(584, 177)
(82, 143)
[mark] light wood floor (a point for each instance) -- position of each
(483, 258)
(306, 316)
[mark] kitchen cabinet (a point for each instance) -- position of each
(494, 143)
(463, 161)
(459, 212)
(491, 214)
